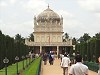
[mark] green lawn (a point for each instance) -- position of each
(32, 70)
(11, 70)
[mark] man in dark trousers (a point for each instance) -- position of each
(64, 64)
(45, 58)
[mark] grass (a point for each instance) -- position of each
(32, 70)
(11, 70)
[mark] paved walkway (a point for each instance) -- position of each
(56, 69)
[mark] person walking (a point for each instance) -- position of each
(50, 60)
(53, 57)
(62, 56)
(45, 58)
(78, 68)
(64, 64)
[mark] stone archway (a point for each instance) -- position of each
(47, 49)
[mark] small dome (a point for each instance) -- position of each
(48, 14)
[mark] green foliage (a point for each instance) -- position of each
(97, 36)
(84, 38)
(89, 50)
(66, 36)
(10, 48)
(92, 66)
(74, 41)
(0, 32)
(31, 37)
(32, 70)
(12, 69)
(97, 49)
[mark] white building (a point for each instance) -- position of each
(48, 32)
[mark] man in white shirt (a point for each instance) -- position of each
(78, 68)
(64, 64)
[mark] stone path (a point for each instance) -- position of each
(56, 69)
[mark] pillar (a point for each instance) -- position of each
(40, 49)
(57, 50)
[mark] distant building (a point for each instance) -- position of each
(48, 33)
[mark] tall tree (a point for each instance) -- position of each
(18, 38)
(86, 37)
(74, 41)
(97, 35)
(31, 37)
(0, 32)
(81, 39)
(66, 36)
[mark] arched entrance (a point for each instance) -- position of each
(47, 49)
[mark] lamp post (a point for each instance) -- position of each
(5, 62)
(85, 57)
(73, 54)
(23, 62)
(29, 57)
(94, 58)
(26, 60)
(17, 58)
(73, 57)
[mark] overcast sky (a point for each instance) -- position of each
(80, 16)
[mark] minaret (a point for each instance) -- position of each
(61, 22)
(35, 23)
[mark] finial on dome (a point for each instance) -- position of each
(48, 5)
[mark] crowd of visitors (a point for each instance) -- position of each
(78, 68)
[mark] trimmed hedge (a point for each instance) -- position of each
(10, 48)
(90, 50)
(92, 66)
(34, 68)
(11, 70)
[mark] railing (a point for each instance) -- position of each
(48, 43)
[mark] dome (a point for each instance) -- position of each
(48, 14)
